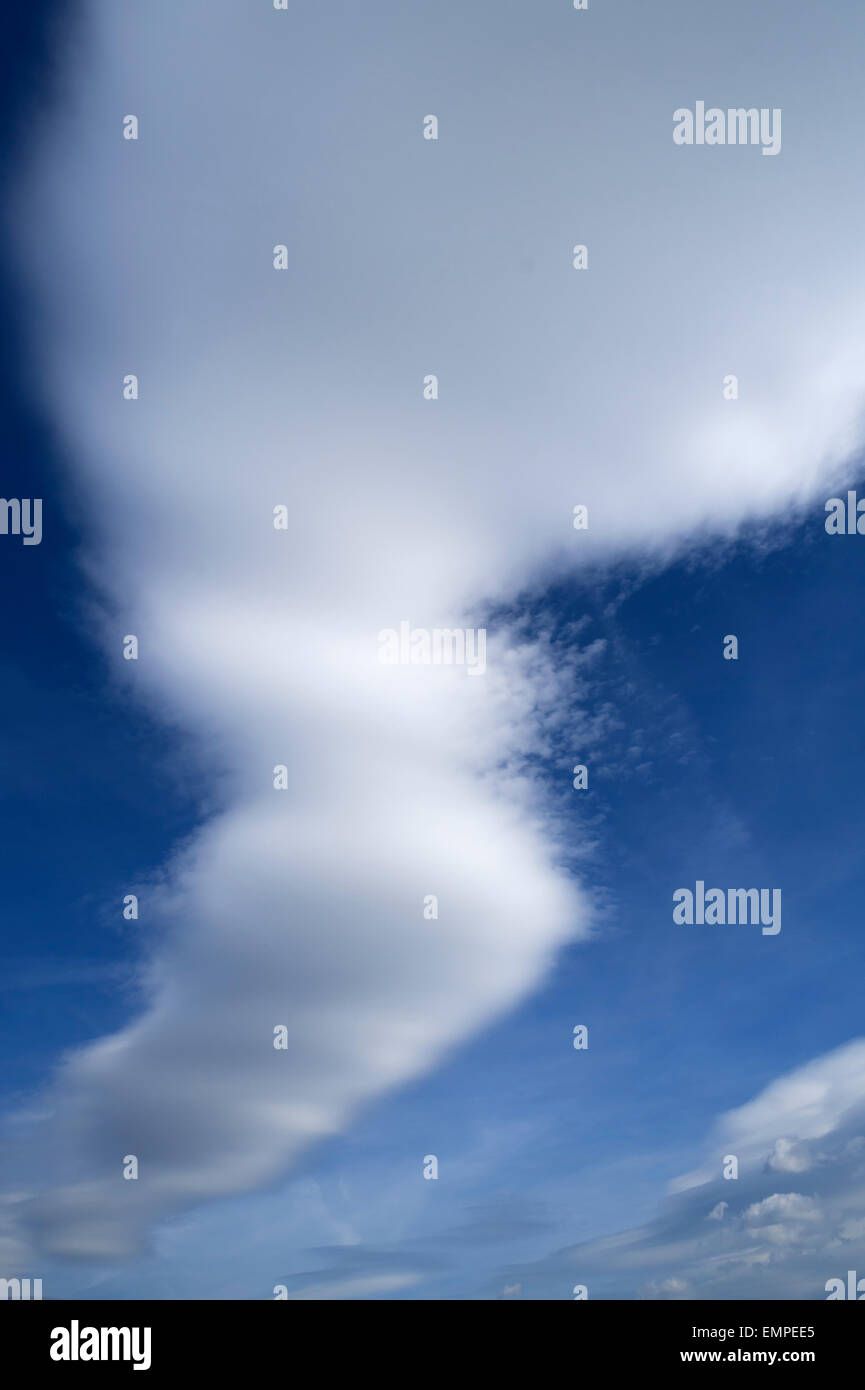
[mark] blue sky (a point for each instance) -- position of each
(407, 1037)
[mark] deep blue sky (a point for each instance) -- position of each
(90, 799)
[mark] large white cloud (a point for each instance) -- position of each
(303, 387)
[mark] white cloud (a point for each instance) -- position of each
(804, 1105)
(364, 1286)
(782, 1219)
(787, 1157)
(666, 1290)
(759, 1242)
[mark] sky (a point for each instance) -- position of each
(305, 1171)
